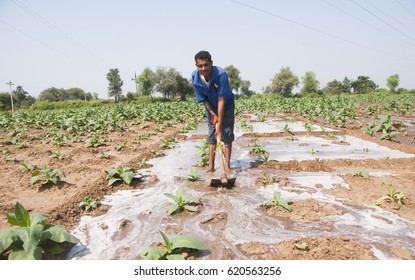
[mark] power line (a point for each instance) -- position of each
(375, 27)
(42, 43)
(386, 14)
(405, 8)
(385, 22)
(57, 30)
(316, 30)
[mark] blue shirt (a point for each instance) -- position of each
(218, 86)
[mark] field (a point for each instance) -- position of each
(343, 164)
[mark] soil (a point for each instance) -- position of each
(85, 177)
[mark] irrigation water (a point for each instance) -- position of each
(229, 217)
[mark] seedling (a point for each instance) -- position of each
(27, 167)
(264, 157)
(29, 234)
(169, 143)
(268, 179)
(94, 141)
(303, 246)
(122, 146)
(57, 155)
(45, 176)
(277, 202)
(88, 204)
(257, 148)
(105, 155)
(172, 248)
(193, 175)
(182, 202)
(142, 163)
(361, 173)
(308, 126)
(157, 152)
(123, 174)
(287, 129)
(393, 196)
(314, 152)
(203, 153)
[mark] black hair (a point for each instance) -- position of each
(203, 55)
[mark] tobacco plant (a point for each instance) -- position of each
(89, 204)
(193, 175)
(393, 196)
(30, 237)
(172, 248)
(276, 201)
(45, 176)
(361, 173)
(123, 174)
(203, 153)
(181, 202)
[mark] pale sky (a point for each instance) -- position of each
(74, 43)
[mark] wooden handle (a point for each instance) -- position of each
(223, 177)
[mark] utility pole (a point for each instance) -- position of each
(135, 81)
(11, 93)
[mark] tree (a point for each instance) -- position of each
(346, 85)
(333, 87)
(184, 87)
(115, 84)
(310, 83)
(22, 98)
(50, 94)
(284, 82)
(392, 82)
(146, 82)
(363, 85)
(171, 83)
(234, 77)
(245, 85)
(5, 102)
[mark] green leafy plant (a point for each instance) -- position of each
(169, 143)
(157, 152)
(268, 179)
(172, 248)
(94, 141)
(203, 153)
(46, 175)
(193, 175)
(393, 196)
(182, 202)
(314, 152)
(286, 129)
(89, 204)
(122, 146)
(361, 173)
(105, 155)
(27, 167)
(276, 201)
(123, 174)
(57, 155)
(263, 157)
(303, 246)
(29, 237)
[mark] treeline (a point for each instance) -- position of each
(168, 84)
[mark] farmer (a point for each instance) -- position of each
(211, 87)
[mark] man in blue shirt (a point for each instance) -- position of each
(211, 86)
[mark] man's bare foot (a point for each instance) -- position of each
(229, 172)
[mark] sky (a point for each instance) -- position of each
(65, 44)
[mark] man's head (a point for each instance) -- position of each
(204, 61)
